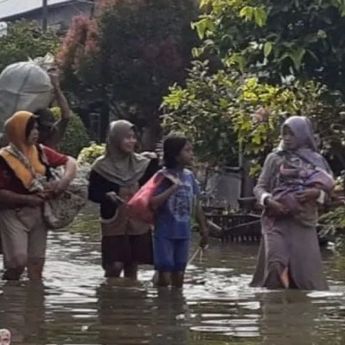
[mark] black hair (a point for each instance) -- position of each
(172, 147)
(30, 126)
(45, 118)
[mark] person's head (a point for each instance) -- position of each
(177, 151)
(5, 337)
(45, 120)
(22, 129)
(122, 137)
(297, 132)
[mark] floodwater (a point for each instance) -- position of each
(76, 305)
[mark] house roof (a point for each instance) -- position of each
(11, 8)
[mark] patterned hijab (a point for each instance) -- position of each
(117, 166)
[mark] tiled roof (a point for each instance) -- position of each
(9, 8)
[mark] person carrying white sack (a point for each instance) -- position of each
(23, 165)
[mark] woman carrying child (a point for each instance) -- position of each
(173, 203)
(294, 181)
(114, 179)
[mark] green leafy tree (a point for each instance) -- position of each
(219, 112)
(25, 40)
(283, 57)
(128, 56)
(76, 136)
(277, 37)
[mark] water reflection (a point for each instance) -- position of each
(76, 305)
(23, 312)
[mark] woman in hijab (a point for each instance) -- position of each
(289, 254)
(24, 186)
(114, 179)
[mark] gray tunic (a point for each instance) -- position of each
(287, 241)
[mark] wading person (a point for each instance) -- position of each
(114, 179)
(24, 186)
(173, 204)
(289, 254)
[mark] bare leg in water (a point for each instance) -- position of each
(35, 268)
(164, 279)
(285, 278)
(114, 270)
(131, 271)
(177, 279)
(13, 273)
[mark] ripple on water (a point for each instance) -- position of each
(76, 305)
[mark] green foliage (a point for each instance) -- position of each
(333, 226)
(201, 111)
(289, 47)
(129, 55)
(89, 154)
(277, 37)
(76, 136)
(25, 40)
(216, 111)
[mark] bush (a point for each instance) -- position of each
(218, 112)
(76, 136)
(89, 154)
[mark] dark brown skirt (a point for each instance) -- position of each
(128, 249)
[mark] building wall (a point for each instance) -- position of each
(59, 16)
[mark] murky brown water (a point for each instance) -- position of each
(76, 305)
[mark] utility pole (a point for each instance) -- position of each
(44, 15)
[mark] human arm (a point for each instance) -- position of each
(59, 96)
(99, 188)
(59, 127)
(152, 168)
(158, 200)
(11, 200)
(201, 219)
(70, 173)
(55, 159)
(12, 194)
(311, 194)
(263, 188)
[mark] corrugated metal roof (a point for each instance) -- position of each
(9, 8)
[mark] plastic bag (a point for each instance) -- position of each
(139, 205)
(23, 86)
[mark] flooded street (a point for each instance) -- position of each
(76, 305)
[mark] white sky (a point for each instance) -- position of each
(11, 7)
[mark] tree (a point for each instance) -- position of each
(277, 38)
(25, 40)
(128, 56)
(219, 112)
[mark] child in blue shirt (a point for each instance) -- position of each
(173, 203)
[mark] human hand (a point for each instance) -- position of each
(115, 198)
(204, 239)
(57, 187)
(150, 155)
(309, 194)
(174, 179)
(276, 207)
(54, 77)
(34, 200)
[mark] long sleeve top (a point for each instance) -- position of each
(99, 187)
